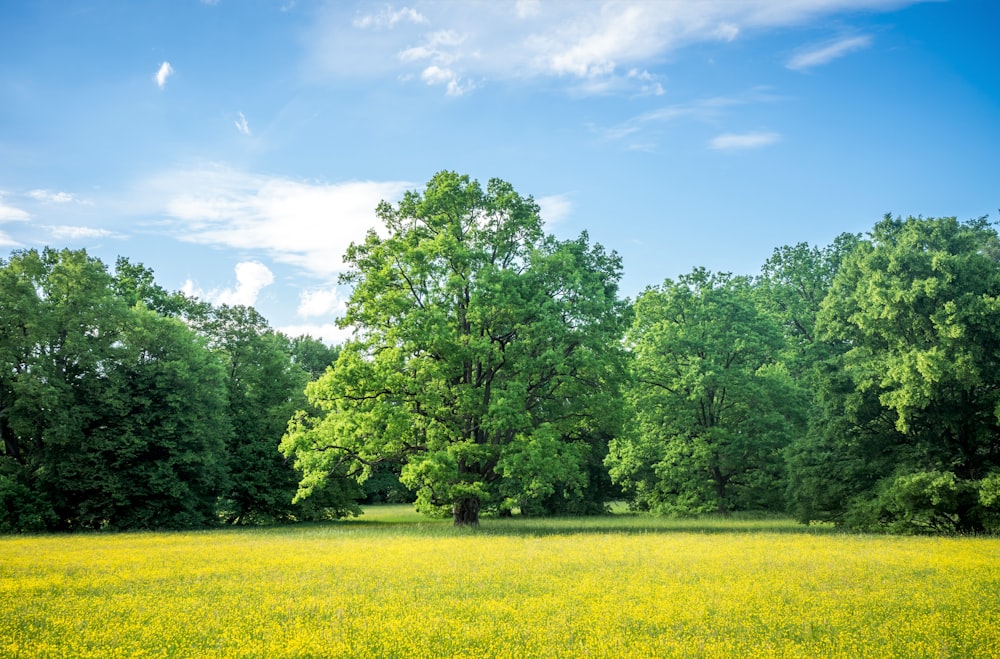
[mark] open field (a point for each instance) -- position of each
(391, 586)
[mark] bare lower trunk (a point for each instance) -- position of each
(466, 512)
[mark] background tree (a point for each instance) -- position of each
(792, 285)
(135, 284)
(910, 433)
(712, 406)
(110, 416)
(157, 456)
(264, 387)
(312, 355)
(482, 355)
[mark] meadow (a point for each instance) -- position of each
(394, 585)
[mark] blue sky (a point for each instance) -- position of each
(237, 147)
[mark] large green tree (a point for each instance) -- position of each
(712, 405)
(110, 413)
(910, 432)
(485, 354)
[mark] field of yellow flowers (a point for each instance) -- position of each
(610, 587)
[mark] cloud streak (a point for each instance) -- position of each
(388, 18)
(10, 213)
(826, 53)
(241, 124)
(50, 197)
(743, 141)
(67, 232)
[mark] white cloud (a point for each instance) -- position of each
(555, 208)
(251, 278)
(388, 18)
(305, 224)
(50, 197)
(242, 125)
(727, 31)
(164, 72)
(329, 333)
(527, 8)
(440, 47)
(66, 232)
(7, 241)
(454, 86)
(12, 214)
(737, 141)
(591, 45)
(321, 302)
(819, 55)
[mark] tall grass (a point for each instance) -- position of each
(394, 585)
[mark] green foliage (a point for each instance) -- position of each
(312, 355)
(712, 407)
(159, 447)
(112, 415)
(265, 375)
(485, 356)
(913, 387)
(857, 384)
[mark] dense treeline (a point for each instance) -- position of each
(124, 406)
(496, 369)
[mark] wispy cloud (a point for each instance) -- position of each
(10, 213)
(306, 224)
(555, 208)
(527, 8)
(241, 124)
(329, 333)
(51, 197)
(592, 47)
(454, 85)
(440, 50)
(67, 232)
(164, 72)
(825, 53)
(388, 18)
(711, 109)
(251, 278)
(742, 141)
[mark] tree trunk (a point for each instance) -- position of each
(720, 481)
(466, 511)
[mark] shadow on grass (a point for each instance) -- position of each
(404, 520)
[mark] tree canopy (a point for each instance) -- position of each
(494, 368)
(712, 405)
(123, 406)
(909, 438)
(485, 357)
